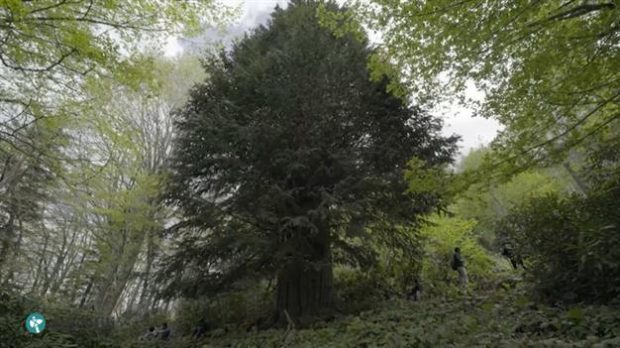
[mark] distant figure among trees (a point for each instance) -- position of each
(149, 335)
(458, 264)
(200, 329)
(515, 259)
(164, 332)
(416, 291)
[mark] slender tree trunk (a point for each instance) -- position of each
(86, 293)
(68, 260)
(42, 266)
(155, 303)
(134, 296)
(150, 302)
(60, 260)
(12, 267)
(77, 279)
(147, 271)
(17, 251)
(114, 294)
(6, 239)
(123, 274)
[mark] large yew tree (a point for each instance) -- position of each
(289, 159)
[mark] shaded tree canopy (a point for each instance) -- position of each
(286, 155)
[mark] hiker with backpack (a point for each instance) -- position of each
(458, 264)
(515, 259)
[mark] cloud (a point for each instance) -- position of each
(252, 14)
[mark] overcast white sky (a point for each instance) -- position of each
(475, 131)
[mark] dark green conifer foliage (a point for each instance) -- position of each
(289, 159)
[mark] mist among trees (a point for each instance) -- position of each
(295, 188)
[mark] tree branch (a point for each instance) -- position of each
(576, 11)
(581, 10)
(6, 165)
(41, 9)
(48, 68)
(560, 135)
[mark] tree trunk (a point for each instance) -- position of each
(69, 256)
(86, 293)
(54, 274)
(41, 272)
(147, 271)
(304, 289)
(6, 237)
(78, 278)
(12, 269)
(133, 290)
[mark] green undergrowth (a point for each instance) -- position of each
(505, 318)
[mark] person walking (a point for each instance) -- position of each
(458, 264)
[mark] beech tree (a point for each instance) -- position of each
(51, 51)
(549, 69)
(288, 155)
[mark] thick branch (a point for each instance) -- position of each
(581, 10)
(576, 11)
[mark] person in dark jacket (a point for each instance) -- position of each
(164, 332)
(149, 335)
(515, 260)
(458, 264)
(416, 291)
(200, 329)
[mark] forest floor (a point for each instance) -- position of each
(501, 319)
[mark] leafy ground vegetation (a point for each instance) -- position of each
(505, 317)
(293, 188)
(500, 320)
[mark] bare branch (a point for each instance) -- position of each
(41, 9)
(48, 68)
(561, 134)
(6, 165)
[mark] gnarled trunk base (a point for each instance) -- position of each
(303, 291)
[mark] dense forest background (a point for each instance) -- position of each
(293, 188)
